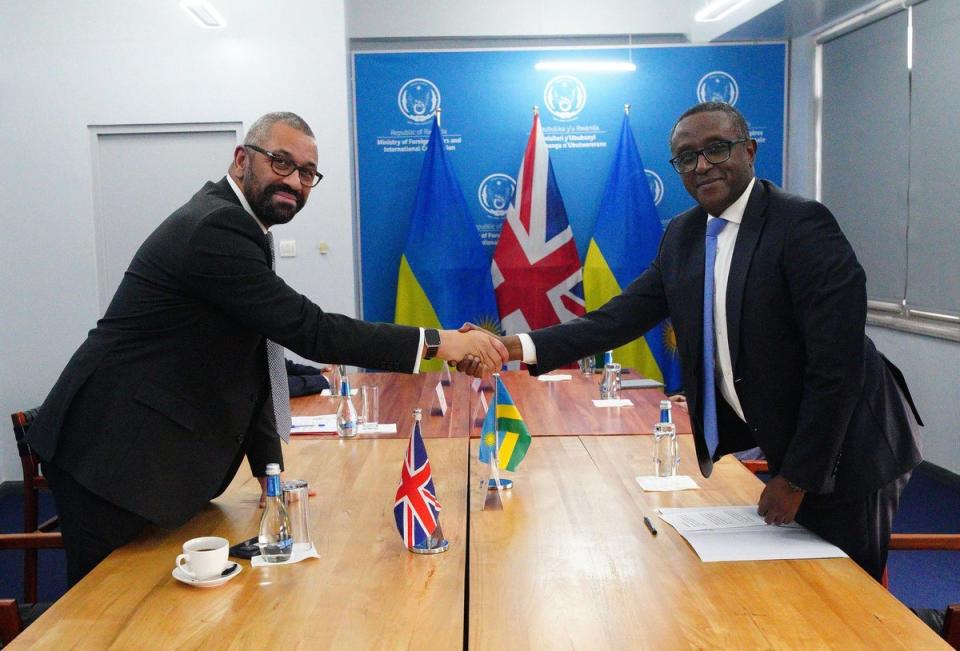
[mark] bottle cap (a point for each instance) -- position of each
(665, 404)
(273, 469)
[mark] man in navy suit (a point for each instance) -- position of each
(155, 411)
(792, 370)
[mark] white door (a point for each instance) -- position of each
(141, 174)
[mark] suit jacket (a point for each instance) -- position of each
(827, 409)
(157, 407)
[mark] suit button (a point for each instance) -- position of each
(239, 438)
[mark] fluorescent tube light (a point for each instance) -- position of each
(718, 10)
(204, 13)
(587, 66)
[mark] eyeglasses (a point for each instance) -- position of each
(286, 167)
(718, 152)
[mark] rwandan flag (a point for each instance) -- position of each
(444, 277)
(504, 428)
(625, 241)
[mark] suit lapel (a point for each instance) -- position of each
(222, 189)
(748, 236)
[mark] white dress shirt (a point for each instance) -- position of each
(721, 269)
(246, 207)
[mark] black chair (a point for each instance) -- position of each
(15, 617)
(33, 483)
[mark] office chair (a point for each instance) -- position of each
(33, 483)
(15, 617)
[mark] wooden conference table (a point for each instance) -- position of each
(567, 563)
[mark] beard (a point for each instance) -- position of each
(264, 208)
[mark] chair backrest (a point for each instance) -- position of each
(11, 622)
(33, 482)
(31, 464)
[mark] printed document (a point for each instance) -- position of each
(738, 533)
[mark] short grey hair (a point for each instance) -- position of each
(259, 130)
(736, 117)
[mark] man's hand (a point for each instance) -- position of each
(263, 490)
(510, 342)
(779, 501)
(482, 352)
(679, 400)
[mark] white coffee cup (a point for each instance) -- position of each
(204, 557)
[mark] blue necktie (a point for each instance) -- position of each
(279, 389)
(714, 226)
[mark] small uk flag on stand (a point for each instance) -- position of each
(416, 508)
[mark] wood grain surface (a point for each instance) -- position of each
(566, 408)
(400, 394)
(569, 564)
(548, 408)
(566, 564)
(366, 590)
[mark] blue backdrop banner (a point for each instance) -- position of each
(487, 97)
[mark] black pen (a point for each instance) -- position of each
(650, 526)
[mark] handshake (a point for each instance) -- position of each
(476, 351)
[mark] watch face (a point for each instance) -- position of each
(432, 337)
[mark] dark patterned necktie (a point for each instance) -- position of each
(279, 388)
(710, 433)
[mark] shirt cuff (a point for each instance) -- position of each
(529, 348)
(416, 363)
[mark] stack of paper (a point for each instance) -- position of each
(738, 533)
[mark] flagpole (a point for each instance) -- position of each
(439, 111)
(495, 481)
(626, 109)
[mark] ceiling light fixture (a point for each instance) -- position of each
(587, 66)
(204, 13)
(718, 10)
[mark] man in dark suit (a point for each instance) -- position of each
(792, 370)
(154, 413)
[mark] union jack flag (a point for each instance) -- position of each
(536, 269)
(416, 509)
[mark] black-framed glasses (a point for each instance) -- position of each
(718, 152)
(285, 167)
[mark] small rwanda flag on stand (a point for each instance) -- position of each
(504, 438)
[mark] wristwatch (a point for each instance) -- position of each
(432, 337)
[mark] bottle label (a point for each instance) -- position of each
(273, 486)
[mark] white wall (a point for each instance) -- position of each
(66, 65)
(508, 18)
(502, 18)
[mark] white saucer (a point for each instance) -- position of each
(211, 582)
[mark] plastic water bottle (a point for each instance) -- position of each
(346, 412)
(666, 456)
(275, 540)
